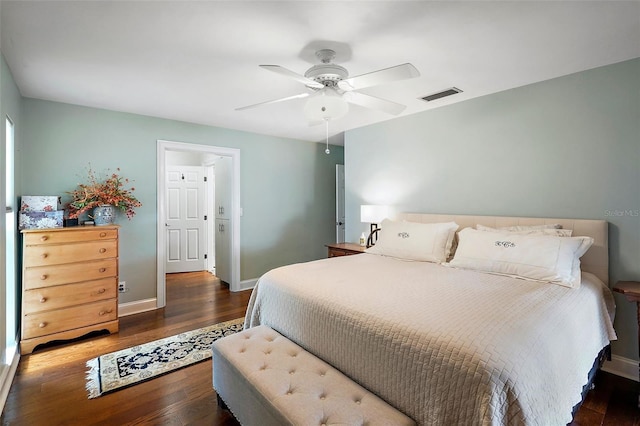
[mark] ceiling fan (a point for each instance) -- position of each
(330, 88)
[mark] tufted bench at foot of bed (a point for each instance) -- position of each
(265, 379)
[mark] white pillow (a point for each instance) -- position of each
(530, 227)
(532, 257)
(530, 231)
(428, 242)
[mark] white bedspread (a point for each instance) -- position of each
(445, 346)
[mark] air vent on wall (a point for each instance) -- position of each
(442, 94)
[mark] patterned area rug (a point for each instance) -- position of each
(118, 369)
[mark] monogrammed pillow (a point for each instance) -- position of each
(427, 242)
(530, 227)
(552, 230)
(533, 257)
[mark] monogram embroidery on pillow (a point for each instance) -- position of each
(403, 234)
(505, 244)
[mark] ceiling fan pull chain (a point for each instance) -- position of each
(326, 122)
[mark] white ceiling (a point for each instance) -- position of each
(197, 61)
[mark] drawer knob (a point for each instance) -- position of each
(106, 312)
(103, 234)
(44, 238)
(102, 250)
(42, 324)
(102, 290)
(43, 277)
(102, 269)
(43, 299)
(44, 255)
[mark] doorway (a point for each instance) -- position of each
(167, 149)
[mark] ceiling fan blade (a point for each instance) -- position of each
(288, 98)
(294, 75)
(373, 102)
(387, 75)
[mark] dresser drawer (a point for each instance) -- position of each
(46, 276)
(57, 237)
(68, 253)
(62, 296)
(344, 249)
(49, 322)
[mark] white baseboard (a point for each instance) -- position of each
(7, 378)
(623, 367)
(137, 307)
(248, 284)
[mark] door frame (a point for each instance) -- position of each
(210, 200)
(340, 201)
(164, 146)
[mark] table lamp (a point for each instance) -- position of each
(373, 214)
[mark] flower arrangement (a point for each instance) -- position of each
(97, 192)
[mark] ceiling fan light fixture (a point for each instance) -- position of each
(326, 104)
(332, 89)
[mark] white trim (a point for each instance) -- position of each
(248, 284)
(163, 147)
(623, 367)
(137, 307)
(7, 378)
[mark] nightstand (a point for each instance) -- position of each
(631, 290)
(344, 249)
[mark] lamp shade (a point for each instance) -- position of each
(373, 214)
(327, 104)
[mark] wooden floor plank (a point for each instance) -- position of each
(49, 387)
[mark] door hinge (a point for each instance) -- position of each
(205, 256)
(205, 217)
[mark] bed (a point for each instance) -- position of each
(450, 345)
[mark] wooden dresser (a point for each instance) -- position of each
(69, 283)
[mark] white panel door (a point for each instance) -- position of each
(222, 170)
(223, 225)
(339, 203)
(223, 250)
(186, 236)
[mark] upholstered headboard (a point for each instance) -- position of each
(595, 260)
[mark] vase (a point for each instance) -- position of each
(104, 215)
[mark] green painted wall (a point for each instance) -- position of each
(287, 186)
(567, 147)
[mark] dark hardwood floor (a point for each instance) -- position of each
(613, 402)
(49, 387)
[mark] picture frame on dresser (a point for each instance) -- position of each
(69, 283)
